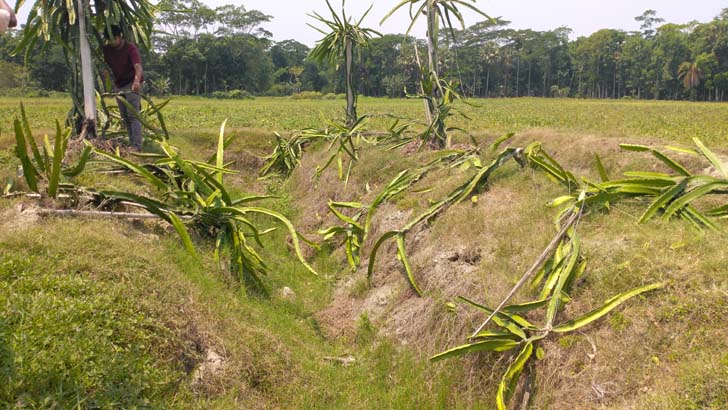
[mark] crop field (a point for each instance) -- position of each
(676, 122)
(380, 265)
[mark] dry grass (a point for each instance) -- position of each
(641, 354)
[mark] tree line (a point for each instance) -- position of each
(225, 52)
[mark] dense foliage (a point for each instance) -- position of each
(200, 51)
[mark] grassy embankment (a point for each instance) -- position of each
(109, 313)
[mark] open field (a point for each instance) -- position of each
(665, 120)
(107, 313)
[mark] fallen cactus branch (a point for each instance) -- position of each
(473, 185)
(101, 214)
(186, 194)
(571, 222)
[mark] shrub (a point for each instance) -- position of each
(160, 85)
(29, 92)
(307, 95)
(14, 76)
(279, 90)
(395, 85)
(232, 95)
(240, 95)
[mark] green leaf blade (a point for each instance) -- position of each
(511, 376)
(490, 345)
(598, 313)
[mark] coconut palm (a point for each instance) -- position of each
(690, 74)
(79, 29)
(438, 13)
(340, 40)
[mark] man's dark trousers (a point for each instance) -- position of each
(131, 119)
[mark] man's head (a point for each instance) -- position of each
(114, 39)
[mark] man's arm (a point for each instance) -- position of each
(6, 7)
(138, 74)
(136, 60)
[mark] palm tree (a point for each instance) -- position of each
(340, 41)
(76, 27)
(437, 12)
(690, 74)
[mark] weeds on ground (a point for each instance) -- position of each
(561, 264)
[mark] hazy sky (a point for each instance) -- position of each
(583, 16)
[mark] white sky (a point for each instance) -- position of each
(583, 16)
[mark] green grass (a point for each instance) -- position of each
(68, 340)
(74, 331)
(81, 325)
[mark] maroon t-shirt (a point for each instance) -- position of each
(121, 61)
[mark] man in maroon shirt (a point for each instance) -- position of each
(125, 62)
